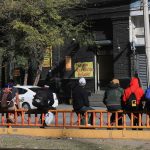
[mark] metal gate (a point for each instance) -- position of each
(142, 69)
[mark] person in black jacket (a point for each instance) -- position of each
(113, 99)
(81, 101)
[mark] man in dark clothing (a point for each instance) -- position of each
(112, 99)
(81, 101)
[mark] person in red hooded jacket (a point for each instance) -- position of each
(139, 94)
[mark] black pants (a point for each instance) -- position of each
(135, 115)
(82, 111)
(113, 116)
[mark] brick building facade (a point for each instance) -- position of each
(109, 20)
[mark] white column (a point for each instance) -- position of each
(95, 67)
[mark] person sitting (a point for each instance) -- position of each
(132, 99)
(45, 99)
(113, 100)
(81, 101)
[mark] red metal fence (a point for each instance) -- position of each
(69, 119)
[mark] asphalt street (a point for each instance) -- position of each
(66, 106)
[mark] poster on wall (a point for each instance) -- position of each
(83, 69)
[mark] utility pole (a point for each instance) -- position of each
(147, 37)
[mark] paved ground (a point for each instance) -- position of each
(27, 142)
(65, 106)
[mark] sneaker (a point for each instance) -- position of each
(89, 124)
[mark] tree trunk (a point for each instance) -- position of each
(25, 76)
(38, 73)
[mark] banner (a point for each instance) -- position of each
(83, 69)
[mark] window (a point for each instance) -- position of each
(21, 91)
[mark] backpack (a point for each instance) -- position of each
(147, 94)
(43, 98)
(6, 99)
(131, 100)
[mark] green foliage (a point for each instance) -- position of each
(21, 61)
(30, 26)
(2, 51)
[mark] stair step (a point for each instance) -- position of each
(96, 99)
(97, 104)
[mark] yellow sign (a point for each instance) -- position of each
(83, 69)
(47, 58)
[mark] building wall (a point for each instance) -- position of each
(121, 48)
(67, 77)
(119, 16)
(137, 40)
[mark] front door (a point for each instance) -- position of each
(105, 70)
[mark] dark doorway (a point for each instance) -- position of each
(105, 73)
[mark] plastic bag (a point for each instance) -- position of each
(49, 118)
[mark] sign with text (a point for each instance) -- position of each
(47, 58)
(83, 69)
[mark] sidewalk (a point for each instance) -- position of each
(67, 106)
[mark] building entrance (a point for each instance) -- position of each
(104, 71)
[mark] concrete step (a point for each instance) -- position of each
(98, 93)
(96, 99)
(97, 96)
(97, 104)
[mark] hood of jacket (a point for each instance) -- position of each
(134, 83)
(113, 86)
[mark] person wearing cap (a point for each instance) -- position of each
(113, 99)
(81, 100)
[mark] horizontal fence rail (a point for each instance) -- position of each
(69, 119)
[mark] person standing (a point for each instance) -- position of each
(81, 101)
(10, 101)
(134, 90)
(113, 99)
(15, 93)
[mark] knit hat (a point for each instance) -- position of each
(82, 82)
(115, 81)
